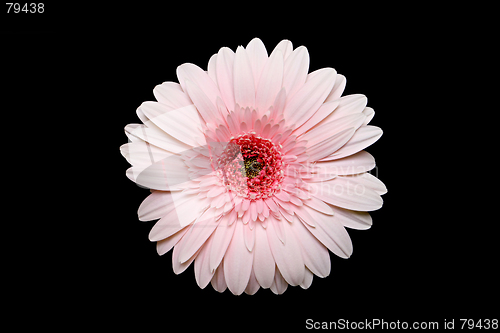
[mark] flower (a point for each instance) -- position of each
(255, 167)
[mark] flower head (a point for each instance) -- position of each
(255, 167)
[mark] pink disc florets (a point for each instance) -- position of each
(251, 166)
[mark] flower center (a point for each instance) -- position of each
(251, 166)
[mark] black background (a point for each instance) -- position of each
(76, 74)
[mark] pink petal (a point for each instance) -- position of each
(200, 78)
(279, 285)
(263, 264)
(222, 237)
(326, 130)
(358, 163)
(216, 191)
(184, 124)
(155, 206)
(346, 193)
(329, 146)
(325, 109)
(168, 243)
(270, 82)
(367, 180)
(331, 233)
(285, 47)
(309, 98)
(364, 137)
(202, 272)
(253, 210)
(295, 71)
(369, 113)
(175, 220)
(171, 94)
(257, 55)
(211, 68)
(156, 137)
(224, 71)
(318, 205)
(177, 266)
(278, 104)
(219, 280)
(206, 108)
(282, 195)
(237, 262)
(315, 254)
(244, 83)
(338, 88)
(253, 285)
(198, 235)
(271, 204)
(305, 216)
(233, 123)
(288, 256)
(308, 279)
(167, 174)
(352, 219)
(249, 237)
(348, 105)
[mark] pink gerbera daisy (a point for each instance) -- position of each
(255, 167)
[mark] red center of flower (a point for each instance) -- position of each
(251, 166)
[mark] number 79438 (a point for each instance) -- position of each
(15, 7)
